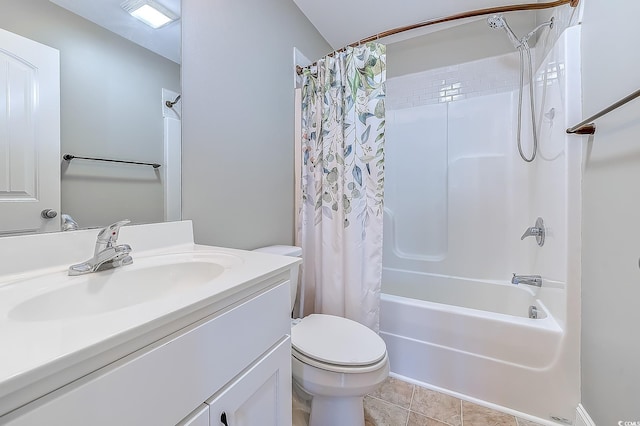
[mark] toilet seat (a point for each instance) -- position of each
(337, 368)
(328, 342)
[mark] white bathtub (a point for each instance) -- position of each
(473, 338)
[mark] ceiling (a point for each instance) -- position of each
(164, 41)
(340, 22)
(344, 22)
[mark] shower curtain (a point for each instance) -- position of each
(343, 124)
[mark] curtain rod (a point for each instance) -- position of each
(469, 14)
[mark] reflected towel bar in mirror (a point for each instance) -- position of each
(170, 104)
(69, 157)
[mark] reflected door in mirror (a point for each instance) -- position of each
(29, 135)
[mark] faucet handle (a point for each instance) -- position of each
(532, 232)
(109, 234)
(537, 231)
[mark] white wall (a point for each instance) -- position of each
(238, 118)
(611, 225)
(110, 107)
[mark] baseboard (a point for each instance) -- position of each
(583, 418)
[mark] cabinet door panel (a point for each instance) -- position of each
(260, 396)
(200, 417)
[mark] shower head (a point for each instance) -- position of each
(497, 21)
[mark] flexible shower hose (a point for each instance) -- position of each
(522, 48)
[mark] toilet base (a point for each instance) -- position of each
(340, 411)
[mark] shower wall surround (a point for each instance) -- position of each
(563, 18)
(458, 198)
(455, 125)
(453, 83)
(473, 193)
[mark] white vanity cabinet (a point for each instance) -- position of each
(200, 417)
(234, 360)
(257, 396)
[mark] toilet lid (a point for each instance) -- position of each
(336, 340)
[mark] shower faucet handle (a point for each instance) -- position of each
(537, 231)
(532, 232)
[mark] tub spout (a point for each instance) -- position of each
(534, 280)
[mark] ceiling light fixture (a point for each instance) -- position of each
(148, 11)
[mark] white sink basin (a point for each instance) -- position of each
(143, 281)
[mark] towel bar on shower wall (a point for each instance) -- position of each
(587, 127)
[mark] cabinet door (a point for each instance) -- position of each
(200, 417)
(260, 396)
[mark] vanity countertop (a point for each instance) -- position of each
(45, 346)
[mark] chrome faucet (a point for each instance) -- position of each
(68, 223)
(534, 280)
(106, 254)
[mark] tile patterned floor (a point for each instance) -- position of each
(398, 403)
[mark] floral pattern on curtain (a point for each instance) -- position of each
(343, 128)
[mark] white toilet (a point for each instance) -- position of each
(335, 360)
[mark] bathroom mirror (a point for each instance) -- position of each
(111, 106)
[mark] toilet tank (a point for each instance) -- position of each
(292, 251)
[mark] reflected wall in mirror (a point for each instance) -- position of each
(110, 107)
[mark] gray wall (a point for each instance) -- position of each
(239, 116)
(611, 220)
(110, 106)
(463, 43)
